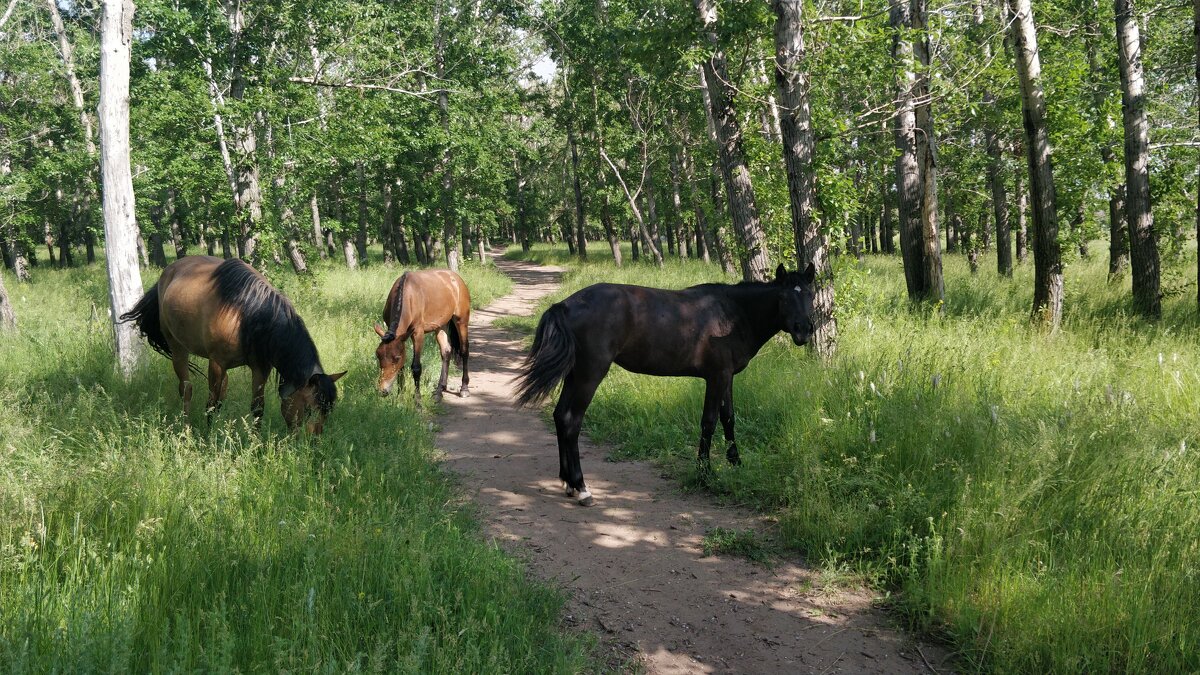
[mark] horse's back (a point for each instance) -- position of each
(432, 298)
(191, 313)
(647, 330)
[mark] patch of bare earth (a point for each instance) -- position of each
(633, 564)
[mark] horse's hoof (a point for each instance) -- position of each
(569, 490)
(464, 393)
(585, 498)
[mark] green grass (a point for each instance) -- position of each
(132, 540)
(1030, 497)
(745, 543)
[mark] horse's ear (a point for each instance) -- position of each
(780, 272)
(810, 273)
(336, 376)
(379, 330)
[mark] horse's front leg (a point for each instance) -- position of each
(713, 393)
(731, 453)
(418, 342)
(443, 349)
(218, 382)
(258, 385)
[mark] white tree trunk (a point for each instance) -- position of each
(1139, 218)
(120, 227)
(1047, 254)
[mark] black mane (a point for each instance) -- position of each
(271, 334)
(397, 309)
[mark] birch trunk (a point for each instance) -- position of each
(1047, 254)
(1139, 217)
(795, 123)
(8, 318)
(120, 228)
(738, 187)
(909, 183)
(927, 156)
(580, 233)
(443, 102)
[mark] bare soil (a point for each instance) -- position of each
(633, 564)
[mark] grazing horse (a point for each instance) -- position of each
(710, 331)
(420, 302)
(228, 313)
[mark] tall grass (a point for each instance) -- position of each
(1030, 496)
(135, 539)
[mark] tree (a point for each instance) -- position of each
(795, 121)
(120, 228)
(739, 189)
(915, 178)
(1047, 254)
(8, 317)
(1143, 242)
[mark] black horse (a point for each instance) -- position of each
(709, 331)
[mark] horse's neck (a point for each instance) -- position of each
(759, 309)
(294, 354)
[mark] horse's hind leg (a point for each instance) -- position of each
(179, 361)
(465, 351)
(578, 389)
(714, 393)
(444, 351)
(731, 453)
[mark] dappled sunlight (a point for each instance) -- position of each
(634, 562)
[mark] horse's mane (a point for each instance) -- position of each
(271, 333)
(394, 324)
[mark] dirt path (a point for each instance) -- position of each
(633, 564)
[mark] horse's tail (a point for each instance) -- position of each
(394, 324)
(145, 315)
(455, 341)
(550, 359)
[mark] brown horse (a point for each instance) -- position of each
(710, 331)
(420, 302)
(228, 313)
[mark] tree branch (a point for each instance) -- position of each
(368, 87)
(8, 12)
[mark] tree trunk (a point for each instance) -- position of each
(1047, 254)
(248, 201)
(580, 220)
(795, 123)
(8, 318)
(1022, 217)
(317, 234)
(1196, 35)
(676, 209)
(909, 180)
(120, 228)
(738, 187)
(1004, 265)
(443, 103)
(360, 238)
(927, 157)
(701, 222)
(1143, 242)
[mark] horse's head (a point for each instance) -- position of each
(796, 302)
(310, 404)
(390, 354)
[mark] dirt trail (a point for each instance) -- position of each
(633, 564)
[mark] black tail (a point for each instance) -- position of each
(145, 315)
(550, 359)
(455, 341)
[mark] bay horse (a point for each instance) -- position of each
(228, 313)
(710, 331)
(420, 302)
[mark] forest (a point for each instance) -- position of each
(993, 423)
